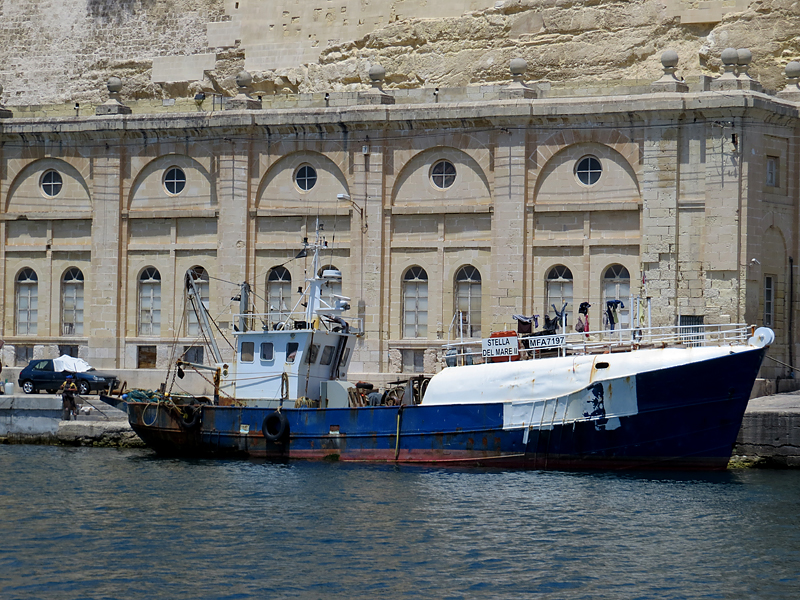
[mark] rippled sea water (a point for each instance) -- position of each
(105, 523)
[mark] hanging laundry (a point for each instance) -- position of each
(526, 324)
(611, 312)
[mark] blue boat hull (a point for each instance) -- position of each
(687, 417)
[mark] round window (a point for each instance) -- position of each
(51, 183)
(443, 174)
(588, 170)
(174, 180)
(305, 177)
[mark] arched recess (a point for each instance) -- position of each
(25, 194)
(287, 183)
(773, 296)
(149, 192)
(415, 185)
(558, 183)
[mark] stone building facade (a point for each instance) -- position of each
(461, 213)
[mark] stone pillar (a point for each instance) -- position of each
(243, 101)
(233, 193)
(105, 309)
(746, 82)
(507, 283)
(728, 79)
(659, 231)
(517, 89)
(113, 106)
(792, 89)
(669, 82)
(722, 243)
(375, 95)
(368, 243)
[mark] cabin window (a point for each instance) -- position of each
(313, 351)
(291, 351)
(327, 355)
(345, 356)
(267, 351)
(248, 349)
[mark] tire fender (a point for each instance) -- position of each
(275, 426)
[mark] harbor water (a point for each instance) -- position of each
(124, 524)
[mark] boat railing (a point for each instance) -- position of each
(284, 320)
(540, 344)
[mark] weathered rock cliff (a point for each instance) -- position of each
(56, 52)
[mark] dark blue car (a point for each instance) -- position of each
(41, 375)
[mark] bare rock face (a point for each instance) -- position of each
(64, 52)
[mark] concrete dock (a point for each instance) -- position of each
(769, 437)
(36, 419)
(770, 433)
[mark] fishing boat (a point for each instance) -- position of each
(653, 400)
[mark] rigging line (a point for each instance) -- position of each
(783, 363)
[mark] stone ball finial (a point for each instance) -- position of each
(744, 56)
(244, 79)
(730, 56)
(376, 73)
(792, 70)
(518, 66)
(114, 85)
(669, 59)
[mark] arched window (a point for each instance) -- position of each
(200, 279)
(559, 291)
(617, 291)
(150, 302)
(72, 302)
(27, 293)
(331, 288)
(279, 293)
(468, 302)
(415, 303)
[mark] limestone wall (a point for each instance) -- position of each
(682, 205)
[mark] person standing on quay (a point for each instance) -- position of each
(68, 390)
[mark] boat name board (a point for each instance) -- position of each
(546, 341)
(500, 346)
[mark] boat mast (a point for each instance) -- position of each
(202, 314)
(315, 281)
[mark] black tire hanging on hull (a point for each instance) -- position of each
(275, 426)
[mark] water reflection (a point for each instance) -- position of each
(101, 523)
